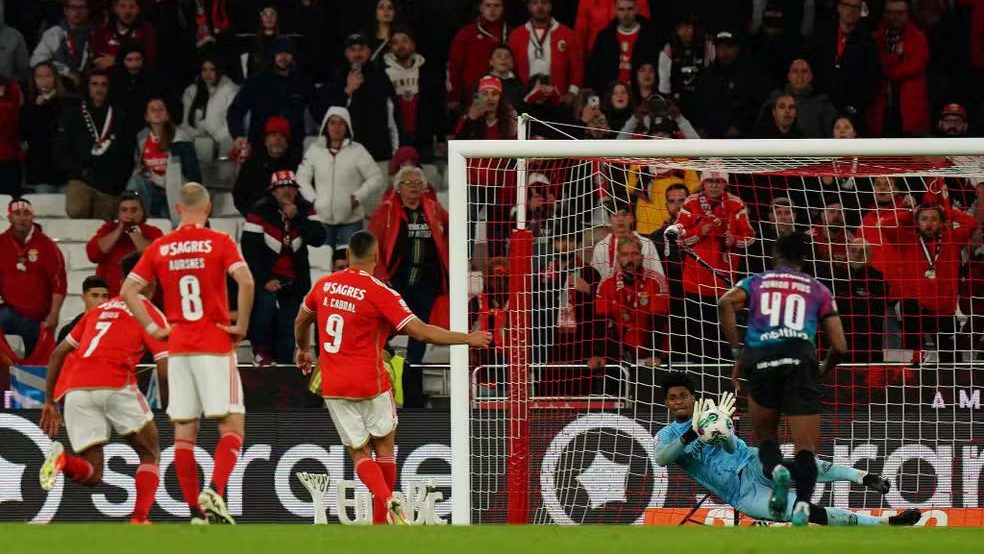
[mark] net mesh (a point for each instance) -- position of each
(591, 303)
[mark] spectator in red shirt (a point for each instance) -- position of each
(546, 46)
(470, 51)
(489, 116)
(10, 141)
(622, 45)
(116, 239)
(901, 107)
(635, 304)
(921, 257)
(714, 224)
(32, 277)
(124, 23)
(593, 16)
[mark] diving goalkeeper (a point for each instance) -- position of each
(732, 470)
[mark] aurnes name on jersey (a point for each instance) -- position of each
(186, 247)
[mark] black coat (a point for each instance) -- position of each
(107, 173)
(368, 106)
(855, 79)
(432, 121)
(267, 94)
(603, 61)
(730, 97)
(39, 125)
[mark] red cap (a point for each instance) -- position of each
(954, 109)
(284, 178)
(404, 155)
(277, 124)
(490, 82)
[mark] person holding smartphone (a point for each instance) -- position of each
(129, 232)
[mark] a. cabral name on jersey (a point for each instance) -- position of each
(344, 290)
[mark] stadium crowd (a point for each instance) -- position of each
(323, 117)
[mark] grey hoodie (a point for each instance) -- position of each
(13, 52)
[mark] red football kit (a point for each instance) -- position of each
(190, 265)
(109, 343)
(357, 313)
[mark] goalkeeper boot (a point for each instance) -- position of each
(801, 514)
(215, 507)
(876, 483)
(53, 464)
(908, 517)
(779, 501)
(394, 512)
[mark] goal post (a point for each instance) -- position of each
(525, 419)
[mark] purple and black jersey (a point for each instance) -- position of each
(784, 306)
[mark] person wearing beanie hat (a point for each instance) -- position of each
(279, 90)
(255, 172)
(489, 116)
(412, 230)
(278, 231)
(134, 82)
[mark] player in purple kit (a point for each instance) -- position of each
(779, 360)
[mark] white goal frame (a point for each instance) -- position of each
(460, 151)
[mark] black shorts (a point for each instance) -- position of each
(784, 378)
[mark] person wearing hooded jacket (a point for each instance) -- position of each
(419, 94)
(338, 175)
(134, 83)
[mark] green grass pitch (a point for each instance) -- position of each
(112, 538)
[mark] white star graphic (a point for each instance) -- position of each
(604, 481)
(10, 481)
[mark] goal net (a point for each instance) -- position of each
(560, 250)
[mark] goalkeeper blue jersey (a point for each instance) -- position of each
(709, 464)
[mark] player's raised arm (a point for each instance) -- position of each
(833, 330)
(433, 334)
(728, 306)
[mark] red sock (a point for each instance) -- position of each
(77, 469)
(370, 474)
(387, 464)
(187, 470)
(148, 477)
(226, 454)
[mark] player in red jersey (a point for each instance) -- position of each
(100, 390)
(356, 314)
(190, 265)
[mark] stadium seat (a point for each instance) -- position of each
(72, 307)
(442, 198)
(317, 274)
(16, 344)
(75, 278)
(162, 224)
(226, 225)
(223, 206)
(47, 205)
(5, 199)
(320, 257)
(70, 229)
(76, 257)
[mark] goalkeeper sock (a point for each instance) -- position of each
(370, 474)
(828, 473)
(770, 456)
(387, 464)
(187, 470)
(226, 455)
(839, 517)
(78, 469)
(147, 479)
(806, 475)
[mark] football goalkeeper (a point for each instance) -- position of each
(732, 470)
